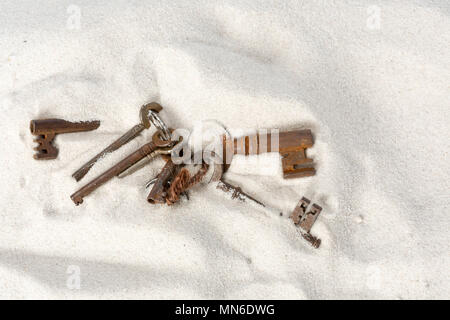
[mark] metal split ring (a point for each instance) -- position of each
(159, 124)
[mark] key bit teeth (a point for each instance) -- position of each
(45, 152)
(310, 217)
(315, 242)
(304, 203)
(300, 210)
(45, 131)
(304, 220)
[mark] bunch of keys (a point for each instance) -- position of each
(148, 115)
(165, 190)
(161, 144)
(174, 179)
(291, 145)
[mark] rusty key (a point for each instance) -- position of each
(291, 145)
(305, 220)
(300, 210)
(125, 138)
(158, 192)
(301, 219)
(156, 145)
(47, 129)
(163, 190)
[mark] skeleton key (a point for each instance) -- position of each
(145, 115)
(291, 145)
(304, 225)
(47, 129)
(161, 144)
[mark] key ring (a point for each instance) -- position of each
(159, 124)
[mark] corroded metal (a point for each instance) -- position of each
(236, 192)
(305, 220)
(183, 181)
(124, 139)
(174, 179)
(121, 166)
(300, 210)
(291, 145)
(315, 242)
(310, 217)
(47, 129)
(144, 161)
(159, 189)
(301, 219)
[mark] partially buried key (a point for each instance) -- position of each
(161, 144)
(291, 145)
(146, 113)
(157, 146)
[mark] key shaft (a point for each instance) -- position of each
(142, 152)
(124, 139)
(158, 192)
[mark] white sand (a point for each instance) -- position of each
(374, 91)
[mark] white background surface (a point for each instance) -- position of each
(371, 79)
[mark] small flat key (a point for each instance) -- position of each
(125, 138)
